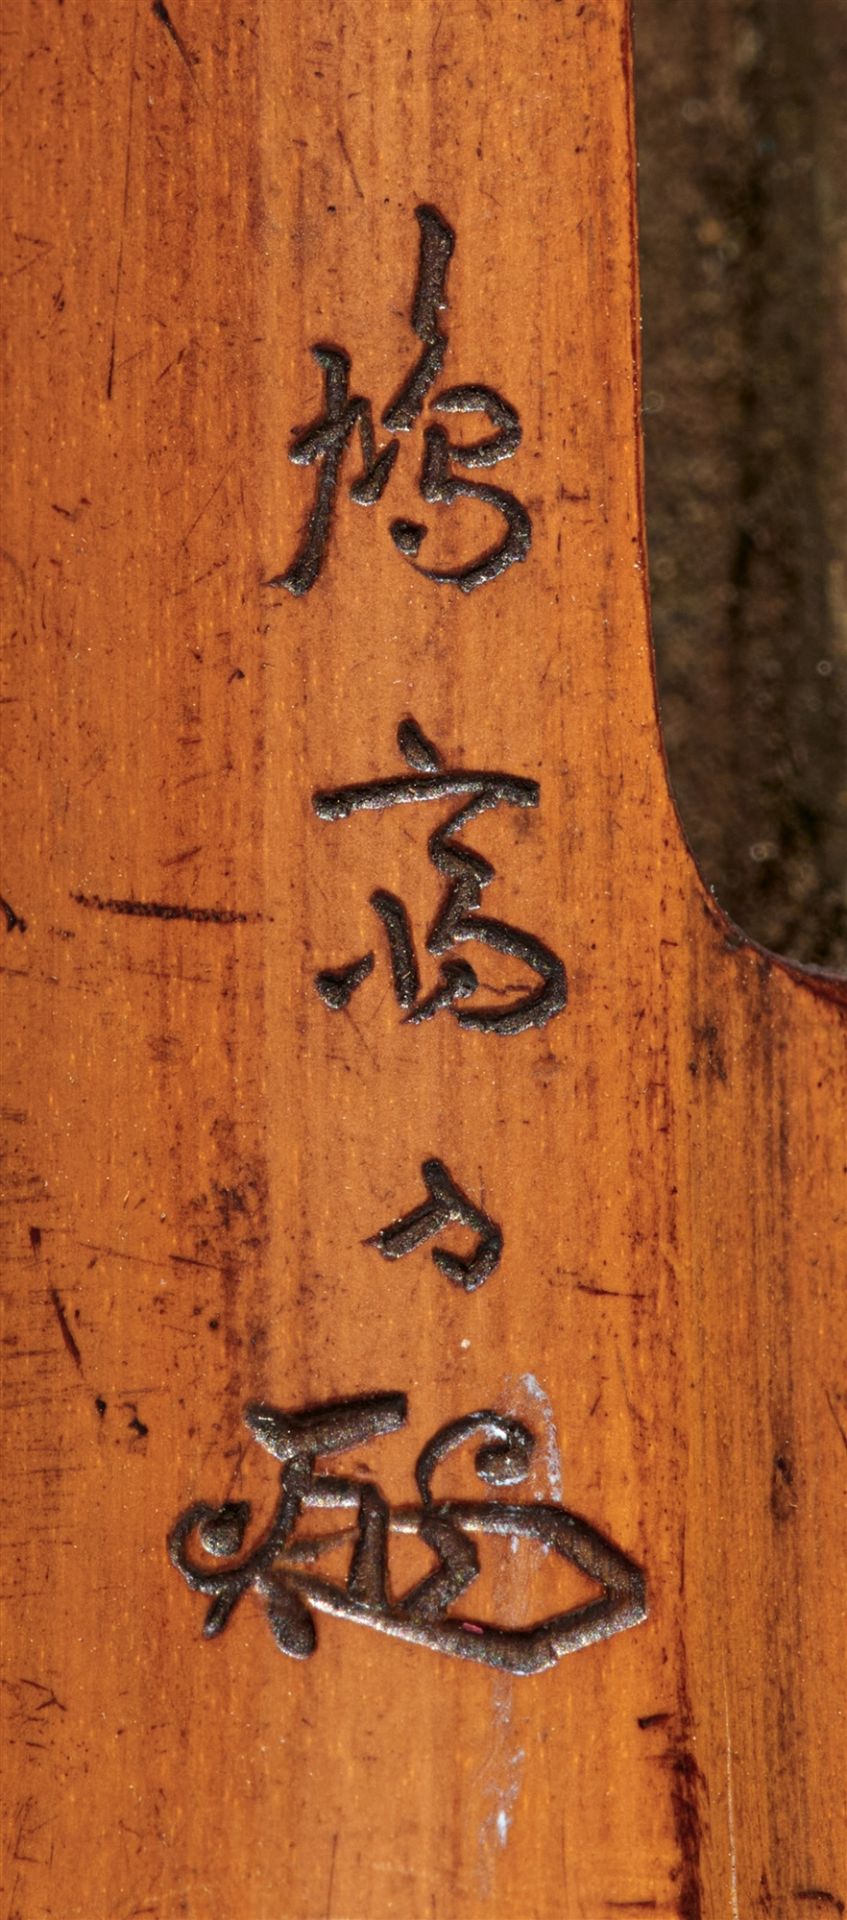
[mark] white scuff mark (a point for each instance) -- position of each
(503, 1783)
(506, 1813)
(502, 1771)
(533, 1387)
(730, 1806)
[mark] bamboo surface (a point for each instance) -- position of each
(201, 1149)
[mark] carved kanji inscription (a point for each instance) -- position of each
(323, 444)
(280, 1568)
(458, 920)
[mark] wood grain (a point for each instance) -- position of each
(199, 1149)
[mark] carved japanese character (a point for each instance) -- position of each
(446, 1205)
(280, 1567)
(458, 920)
(323, 444)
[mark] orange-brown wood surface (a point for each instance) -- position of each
(200, 1148)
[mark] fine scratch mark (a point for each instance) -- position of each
(730, 1806)
(161, 13)
(206, 504)
(38, 1686)
(608, 1293)
(163, 910)
(179, 859)
(353, 174)
(119, 271)
(65, 1330)
(34, 259)
(331, 1876)
(186, 1260)
(832, 1409)
(632, 1906)
(138, 1427)
(13, 919)
(820, 1894)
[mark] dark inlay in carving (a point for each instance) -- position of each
(416, 748)
(323, 444)
(466, 874)
(437, 242)
(280, 1568)
(408, 537)
(336, 985)
(404, 966)
(447, 1205)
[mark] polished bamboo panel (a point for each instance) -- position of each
(218, 1133)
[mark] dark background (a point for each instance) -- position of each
(742, 134)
